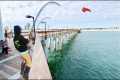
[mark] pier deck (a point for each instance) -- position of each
(10, 66)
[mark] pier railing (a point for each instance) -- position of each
(40, 68)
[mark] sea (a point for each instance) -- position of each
(88, 56)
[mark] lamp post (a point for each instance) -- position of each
(45, 29)
(33, 34)
(41, 9)
(45, 23)
(42, 20)
(29, 16)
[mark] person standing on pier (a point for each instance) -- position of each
(6, 41)
(21, 44)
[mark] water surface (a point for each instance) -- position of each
(91, 55)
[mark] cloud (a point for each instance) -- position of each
(103, 12)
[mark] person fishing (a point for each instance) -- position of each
(22, 45)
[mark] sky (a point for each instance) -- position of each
(68, 15)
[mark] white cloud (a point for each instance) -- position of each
(15, 11)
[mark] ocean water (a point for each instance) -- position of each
(88, 56)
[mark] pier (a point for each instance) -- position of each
(67, 40)
(52, 40)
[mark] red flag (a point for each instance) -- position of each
(85, 9)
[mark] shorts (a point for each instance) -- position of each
(26, 58)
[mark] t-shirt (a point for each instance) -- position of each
(20, 43)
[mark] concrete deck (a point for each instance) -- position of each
(40, 69)
(10, 66)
